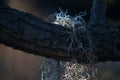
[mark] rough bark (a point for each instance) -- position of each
(28, 33)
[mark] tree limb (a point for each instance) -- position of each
(98, 12)
(28, 33)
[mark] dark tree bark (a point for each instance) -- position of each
(28, 33)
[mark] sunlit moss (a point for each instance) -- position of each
(72, 70)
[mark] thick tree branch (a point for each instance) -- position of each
(28, 33)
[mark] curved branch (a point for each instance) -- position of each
(28, 33)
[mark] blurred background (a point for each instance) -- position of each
(17, 65)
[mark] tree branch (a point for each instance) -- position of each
(98, 12)
(28, 33)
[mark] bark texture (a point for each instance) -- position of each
(28, 33)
